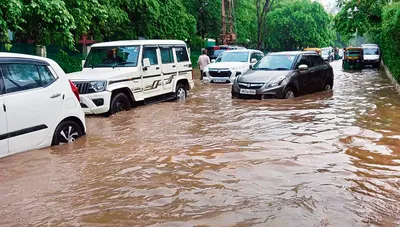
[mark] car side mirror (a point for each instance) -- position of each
(146, 63)
(83, 63)
(253, 60)
(213, 61)
(303, 67)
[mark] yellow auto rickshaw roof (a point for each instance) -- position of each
(354, 48)
(312, 48)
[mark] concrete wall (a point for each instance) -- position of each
(389, 74)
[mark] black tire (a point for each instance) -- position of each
(66, 132)
(119, 103)
(289, 93)
(180, 92)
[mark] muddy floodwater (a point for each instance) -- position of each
(326, 159)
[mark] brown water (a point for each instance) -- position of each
(326, 159)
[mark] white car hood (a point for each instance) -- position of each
(88, 74)
(371, 57)
(226, 65)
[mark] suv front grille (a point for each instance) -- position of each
(83, 87)
(220, 73)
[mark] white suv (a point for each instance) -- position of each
(231, 64)
(39, 107)
(117, 75)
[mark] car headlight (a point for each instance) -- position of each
(97, 86)
(276, 81)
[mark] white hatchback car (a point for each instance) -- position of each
(39, 107)
(231, 64)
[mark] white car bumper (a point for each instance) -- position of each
(221, 77)
(96, 103)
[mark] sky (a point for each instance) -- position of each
(329, 5)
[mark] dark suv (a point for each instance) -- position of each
(285, 75)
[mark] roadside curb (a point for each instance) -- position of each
(389, 74)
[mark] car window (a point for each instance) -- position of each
(316, 60)
(2, 88)
(259, 56)
(166, 55)
(20, 77)
(151, 54)
(46, 76)
(303, 61)
(181, 54)
(254, 55)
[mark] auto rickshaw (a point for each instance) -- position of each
(318, 50)
(353, 58)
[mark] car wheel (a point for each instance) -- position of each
(180, 93)
(289, 93)
(66, 132)
(327, 87)
(119, 103)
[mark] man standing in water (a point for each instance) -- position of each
(203, 61)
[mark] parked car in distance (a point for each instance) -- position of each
(117, 75)
(214, 51)
(39, 107)
(371, 55)
(231, 64)
(285, 75)
(316, 50)
(327, 54)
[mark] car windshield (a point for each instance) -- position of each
(275, 62)
(353, 53)
(233, 57)
(371, 51)
(122, 56)
(218, 52)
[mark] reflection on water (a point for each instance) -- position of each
(326, 159)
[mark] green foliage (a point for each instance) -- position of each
(246, 26)
(390, 38)
(10, 18)
(298, 24)
(69, 63)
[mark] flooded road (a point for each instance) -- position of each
(326, 159)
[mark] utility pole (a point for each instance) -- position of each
(227, 21)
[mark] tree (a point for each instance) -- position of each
(10, 18)
(298, 24)
(262, 9)
(47, 21)
(207, 13)
(246, 26)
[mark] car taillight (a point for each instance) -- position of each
(75, 90)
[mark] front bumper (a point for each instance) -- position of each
(96, 103)
(371, 62)
(229, 78)
(264, 92)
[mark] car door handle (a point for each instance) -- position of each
(55, 95)
(173, 66)
(157, 68)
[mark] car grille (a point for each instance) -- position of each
(83, 87)
(251, 85)
(220, 73)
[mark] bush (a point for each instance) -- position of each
(69, 63)
(390, 38)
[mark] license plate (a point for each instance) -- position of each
(219, 81)
(247, 91)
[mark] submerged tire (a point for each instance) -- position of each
(119, 102)
(66, 132)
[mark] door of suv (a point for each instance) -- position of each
(168, 68)
(33, 99)
(305, 77)
(151, 76)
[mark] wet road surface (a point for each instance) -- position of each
(326, 159)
